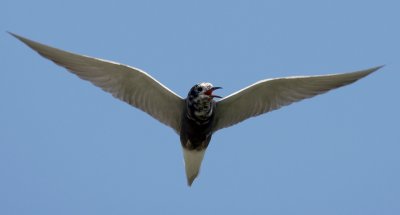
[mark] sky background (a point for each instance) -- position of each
(66, 147)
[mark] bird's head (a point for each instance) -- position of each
(203, 91)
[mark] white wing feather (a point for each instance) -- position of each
(126, 83)
(271, 94)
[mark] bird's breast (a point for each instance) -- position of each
(195, 132)
(200, 109)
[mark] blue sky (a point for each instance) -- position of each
(66, 147)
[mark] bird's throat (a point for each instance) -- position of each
(200, 109)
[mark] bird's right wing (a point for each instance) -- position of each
(271, 94)
(129, 84)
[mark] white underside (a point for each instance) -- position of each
(193, 159)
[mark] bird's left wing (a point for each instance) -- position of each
(129, 84)
(271, 94)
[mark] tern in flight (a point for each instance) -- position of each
(196, 117)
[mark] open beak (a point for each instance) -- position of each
(210, 91)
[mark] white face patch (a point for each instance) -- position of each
(206, 86)
(202, 88)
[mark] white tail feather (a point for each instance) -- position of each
(193, 159)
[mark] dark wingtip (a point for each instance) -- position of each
(374, 69)
(378, 67)
(369, 71)
(14, 35)
(23, 39)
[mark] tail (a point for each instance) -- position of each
(193, 159)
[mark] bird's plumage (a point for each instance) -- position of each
(198, 116)
(127, 83)
(271, 94)
(193, 159)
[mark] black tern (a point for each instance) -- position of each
(196, 117)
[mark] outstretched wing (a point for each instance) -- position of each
(271, 94)
(129, 84)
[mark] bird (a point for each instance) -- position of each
(198, 116)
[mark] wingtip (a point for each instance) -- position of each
(373, 69)
(21, 38)
(13, 34)
(370, 70)
(378, 67)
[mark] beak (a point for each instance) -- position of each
(210, 91)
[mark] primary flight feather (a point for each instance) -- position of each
(196, 117)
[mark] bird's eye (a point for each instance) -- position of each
(199, 89)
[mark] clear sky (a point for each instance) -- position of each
(66, 147)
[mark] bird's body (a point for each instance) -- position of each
(195, 136)
(196, 130)
(198, 116)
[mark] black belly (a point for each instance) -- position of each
(195, 136)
